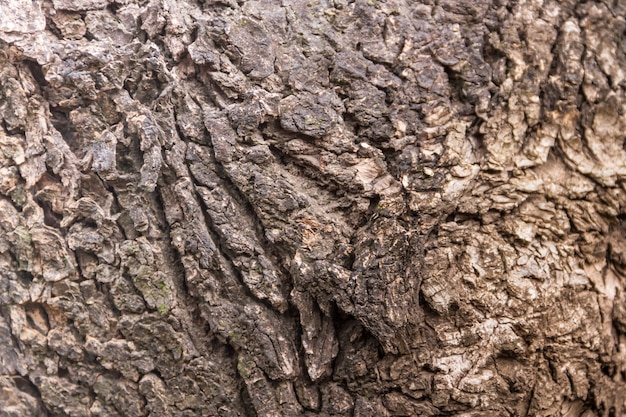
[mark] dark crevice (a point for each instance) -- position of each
(113, 7)
(24, 384)
(25, 277)
(173, 257)
(77, 256)
(456, 83)
(89, 36)
(608, 369)
(194, 35)
(37, 309)
(228, 255)
(272, 251)
(61, 122)
(115, 207)
(246, 399)
(63, 372)
(50, 218)
(37, 73)
(53, 28)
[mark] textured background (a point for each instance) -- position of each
(334, 208)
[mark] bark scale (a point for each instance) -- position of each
(333, 208)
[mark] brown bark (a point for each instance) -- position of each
(333, 208)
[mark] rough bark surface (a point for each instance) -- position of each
(333, 208)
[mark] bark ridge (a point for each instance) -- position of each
(334, 208)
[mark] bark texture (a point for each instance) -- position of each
(333, 208)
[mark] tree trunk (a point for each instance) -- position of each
(331, 208)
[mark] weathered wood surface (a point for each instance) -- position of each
(333, 208)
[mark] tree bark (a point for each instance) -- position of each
(331, 208)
